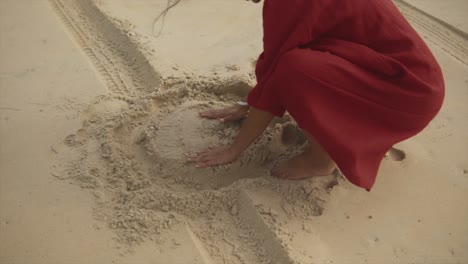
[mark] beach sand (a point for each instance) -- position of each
(98, 108)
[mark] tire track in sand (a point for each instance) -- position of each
(439, 33)
(121, 64)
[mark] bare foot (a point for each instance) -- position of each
(304, 166)
(315, 161)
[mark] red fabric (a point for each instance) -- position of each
(354, 74)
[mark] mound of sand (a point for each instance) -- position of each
(133, 154)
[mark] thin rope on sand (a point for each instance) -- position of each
(163, 16)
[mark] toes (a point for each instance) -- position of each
(207, 163)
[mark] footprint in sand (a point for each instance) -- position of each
(396, 154)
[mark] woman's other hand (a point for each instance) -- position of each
(231, 113)
(256, 122)
(214, 156)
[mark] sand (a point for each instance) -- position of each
(97, 115)
(453, 15)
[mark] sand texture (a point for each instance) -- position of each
(99, 110)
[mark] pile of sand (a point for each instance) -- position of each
(133, 156)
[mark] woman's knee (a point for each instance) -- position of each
(302, 61)
(288, 63)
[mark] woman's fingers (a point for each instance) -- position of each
(231, 113)
(202, 165)
(212, 161)
(195, 157)
(204, 155)
(203, 152)
(226, 118)
(206, 160)
(212, 156)
(232, 117)
(201, 157)
(214, 113)
(208, 114)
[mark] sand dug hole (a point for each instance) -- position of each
(133, 154)
(183, 132)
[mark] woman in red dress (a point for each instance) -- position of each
(354, 75)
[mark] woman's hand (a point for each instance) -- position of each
(256, 122)
(214, 156)
(231, 113)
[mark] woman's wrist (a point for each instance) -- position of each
(235, 150)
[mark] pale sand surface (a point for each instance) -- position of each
(82, 101)
(44, 82)
(452, 12)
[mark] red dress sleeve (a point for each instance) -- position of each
(286, 25)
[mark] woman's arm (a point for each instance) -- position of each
(257, 121)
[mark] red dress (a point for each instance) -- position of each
(354, 74)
